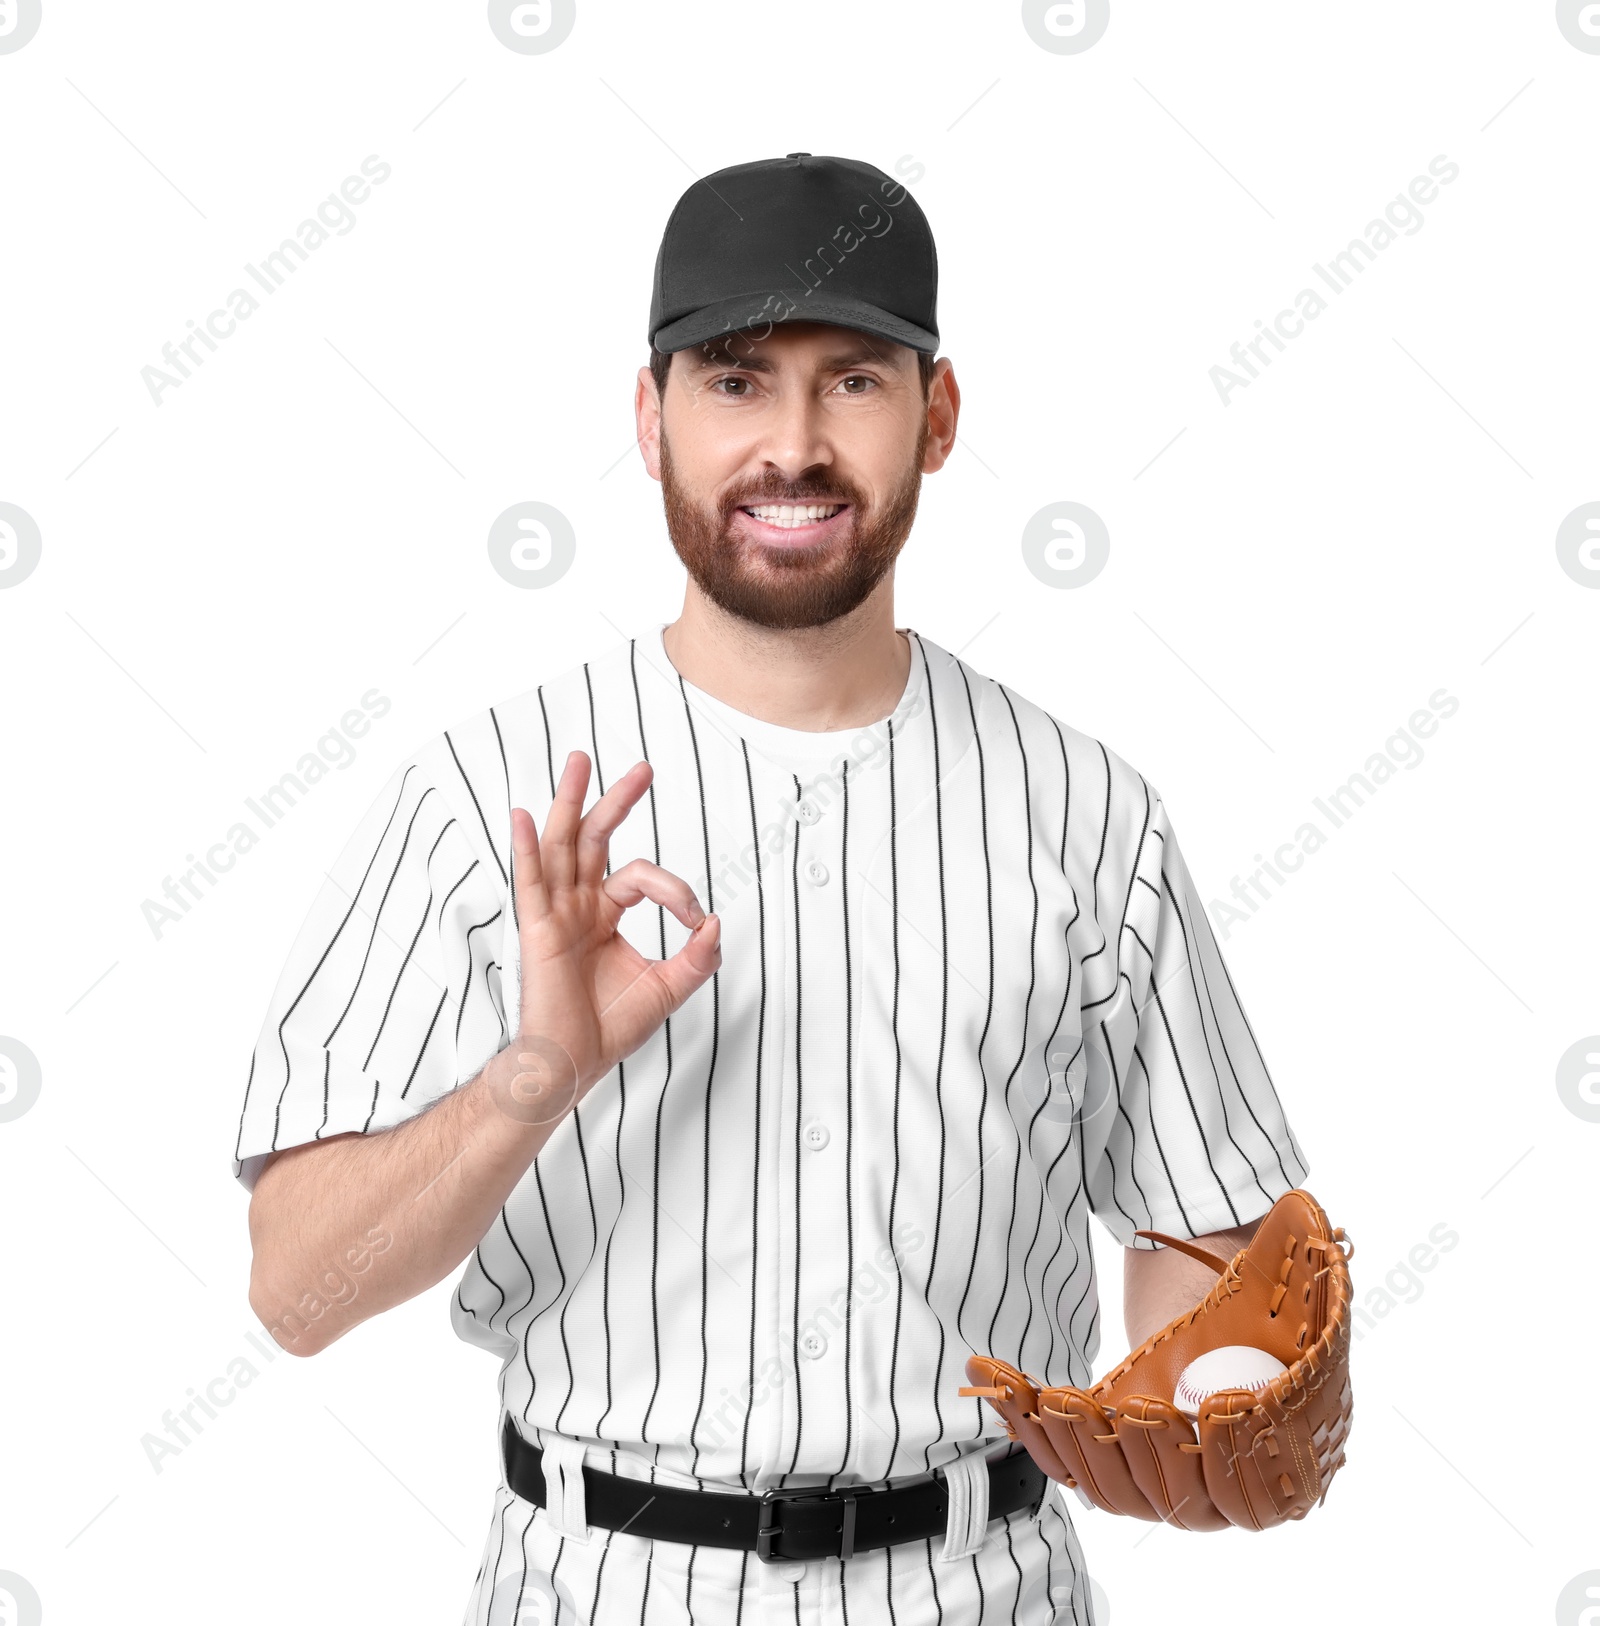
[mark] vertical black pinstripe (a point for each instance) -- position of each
(655, 1216)
(755, 1150)
(988, 1014)
(944, 1026)
(799, 1116)
(1133, 1170)
(476, 804)
(849, 1126)
(321, 961)
(710, 906)
(1282, 1121)
(1027, 1006)
(1051, 1321)
(538, 1177)
(411, 948)
(577, 1115)
(1194, 963)
(894, 1029)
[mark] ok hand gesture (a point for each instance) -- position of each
(589, 998)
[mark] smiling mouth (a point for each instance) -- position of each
(793, 516)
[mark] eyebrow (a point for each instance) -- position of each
(859, 357)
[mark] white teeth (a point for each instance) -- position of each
(788, 516)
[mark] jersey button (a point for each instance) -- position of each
(817, 873)
(790, 1572)
(813, 1344)
(807, 811)
(816, 1136)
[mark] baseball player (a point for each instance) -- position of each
(759, 1010)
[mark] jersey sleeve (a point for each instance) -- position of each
(1197, 1138)
(390, 996)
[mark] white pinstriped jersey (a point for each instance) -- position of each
(968, 995)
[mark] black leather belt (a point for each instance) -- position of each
(782, 1525)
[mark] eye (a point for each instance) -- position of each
(730, 379)
(860, 378)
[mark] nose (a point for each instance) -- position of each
(795, 435)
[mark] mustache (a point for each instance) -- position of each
(750, 499)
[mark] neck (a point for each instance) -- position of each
(846, 674)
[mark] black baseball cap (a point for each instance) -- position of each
(795, 239)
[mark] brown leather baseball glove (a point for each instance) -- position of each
(1257, 1457)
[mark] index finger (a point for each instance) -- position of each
(601, 821)
(527, 868)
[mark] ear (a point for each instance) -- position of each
(944, 407)
(647, 421)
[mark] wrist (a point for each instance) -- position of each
(534, 1081)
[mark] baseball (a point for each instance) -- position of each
(1234, 1366)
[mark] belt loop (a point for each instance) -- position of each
(564, 1501)
(966, 1484)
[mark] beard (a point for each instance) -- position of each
(790, 587)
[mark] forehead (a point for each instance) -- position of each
(819, 345)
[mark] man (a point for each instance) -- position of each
(743, 1176)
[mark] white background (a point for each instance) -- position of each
(1373, 519)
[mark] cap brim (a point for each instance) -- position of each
(748, 313)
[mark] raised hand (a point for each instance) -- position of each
(589, 998)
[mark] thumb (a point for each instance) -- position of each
(693, 964)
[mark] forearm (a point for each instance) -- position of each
(1160, 1285)
(346, 1228)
